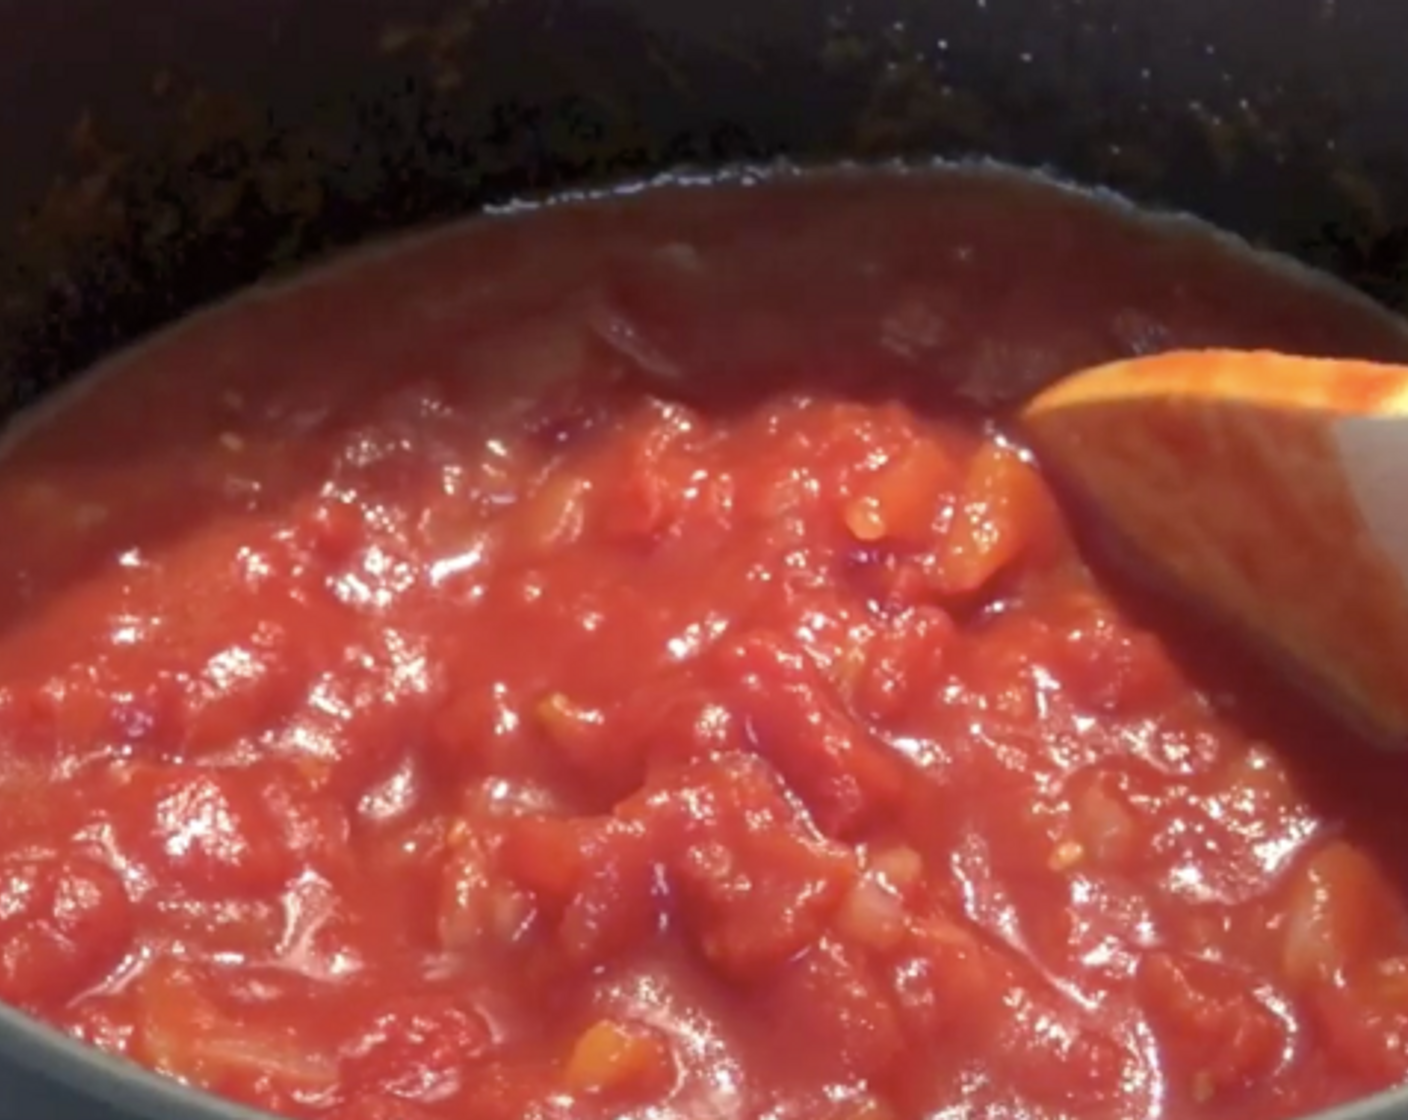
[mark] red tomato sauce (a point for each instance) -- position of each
(610, 661)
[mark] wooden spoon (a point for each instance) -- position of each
(1273, 489)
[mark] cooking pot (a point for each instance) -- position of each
(158, 154)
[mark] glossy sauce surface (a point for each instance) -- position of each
(611, 662)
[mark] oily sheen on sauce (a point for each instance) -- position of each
(609, 661)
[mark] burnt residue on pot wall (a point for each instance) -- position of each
(164, 154)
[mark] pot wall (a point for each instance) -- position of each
(157, 154)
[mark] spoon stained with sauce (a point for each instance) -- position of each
(1271, 489)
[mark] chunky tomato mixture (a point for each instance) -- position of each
(612, 662)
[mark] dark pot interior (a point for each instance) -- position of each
(159, 154)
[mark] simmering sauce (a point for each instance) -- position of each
(612, 660)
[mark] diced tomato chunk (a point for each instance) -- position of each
(191, 1024)
(1003, 509)
(376, 696)
(1105, 824)
(754, 882)
(626, 1061)
(945, 981)
(833, 1010)
(416, 1048)
(841, 772)
(220, 832)
(901, 502)
(1219, 1037)
(1109, 666)
(1364, 1020)
(591, 744)
(1058, 1058)
(480, 908)
(544, 855)
(65, 925)
(618, 905)
(651, 497)
(1340, 911)
(904, 662)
